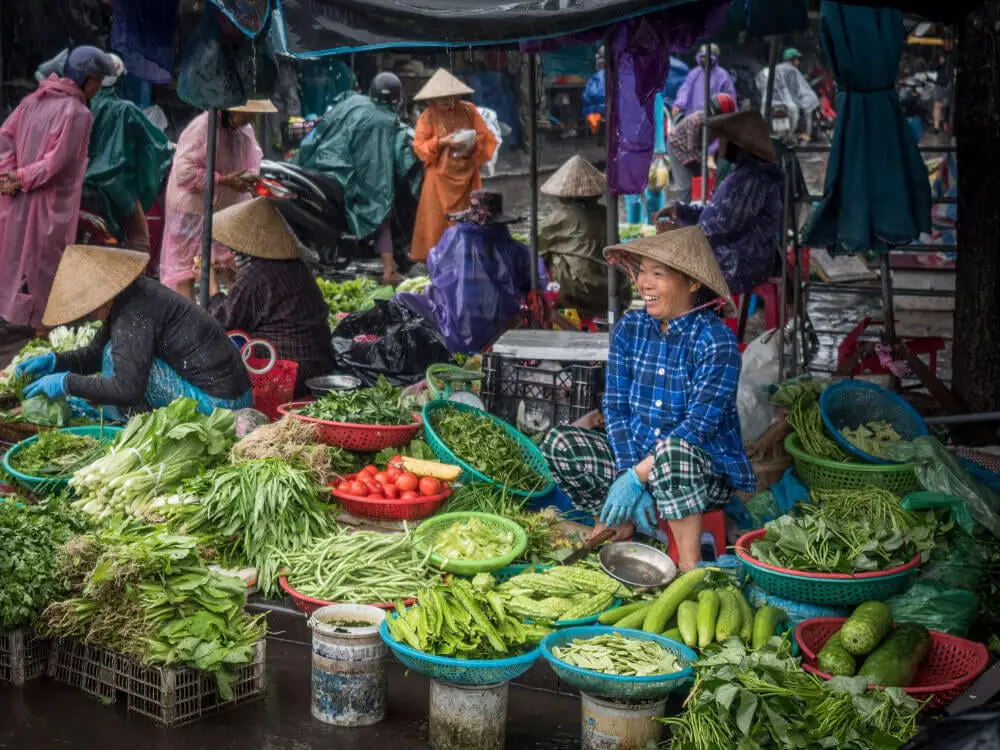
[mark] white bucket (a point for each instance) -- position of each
(468, 717)
(619, 726)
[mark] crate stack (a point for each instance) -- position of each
(23, 657)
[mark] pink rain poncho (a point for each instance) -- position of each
(45, 141)
(237, 149)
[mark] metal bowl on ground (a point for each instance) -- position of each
(637, 565)
(329, 383)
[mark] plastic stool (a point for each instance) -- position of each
(713, 522)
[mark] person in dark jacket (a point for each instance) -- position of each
(274, 296)
(155, 346)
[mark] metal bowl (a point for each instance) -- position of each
(329, 383)
(637, 565)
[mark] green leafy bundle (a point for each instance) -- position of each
(56, 454)
(378, 405)
(762, 699)
(351, 296)
(30, 536)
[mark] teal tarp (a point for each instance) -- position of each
(365, 148)
(128, 157)
(877, 193)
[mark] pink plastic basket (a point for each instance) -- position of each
(388, 509)
(365, 438)
(271, 379)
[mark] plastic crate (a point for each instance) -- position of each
(822, 474)
(81, 666)
(550, 398)
(23, 656)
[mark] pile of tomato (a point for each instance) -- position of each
(390, 483)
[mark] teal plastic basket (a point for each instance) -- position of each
(50, 485)
(612, 686)
(826, 589)
(460, 671)
(532, 456)
(509, 571)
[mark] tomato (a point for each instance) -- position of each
(410, 495)
(429, 486)
(392, 491)
(382, 478)
(372, 485)
(355, 487)
(407, 482)
(396, 461)
(370, 469)
(445, 486)
(393, 473)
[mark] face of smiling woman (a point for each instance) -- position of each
(666, 293)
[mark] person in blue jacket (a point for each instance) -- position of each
(594, 102)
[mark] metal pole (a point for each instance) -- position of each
(206, 236)
(887, 306)
(707, 75)
(797, 303)
(783, 289)
(772, 63)
(533, 131)
(614, 304)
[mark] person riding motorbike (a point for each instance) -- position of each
(793, 91)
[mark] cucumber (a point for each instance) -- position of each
(708, 613)
(746, 614)
(834, 659)
(614, 615)
(729, 620)
(687, 623)
(895, 662)
(674, 634)
(666, 604)
(764, 624)
(634, 620)
(866, 627)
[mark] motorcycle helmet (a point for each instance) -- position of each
(88, 62)
(721, 104)
(386, 88)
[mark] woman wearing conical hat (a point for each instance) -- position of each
(672, 448)
(274, 296)
(154, 346)
(453, 142)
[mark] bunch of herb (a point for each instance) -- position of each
(351, 296)
(480, 497)
(486, 446)
(30, 536)
(56, 454)
(762, 699)
(378, 405)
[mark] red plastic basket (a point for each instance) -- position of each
(366, 438)
(387, 509)
(950, 667)
(272, 380)
(307, 605)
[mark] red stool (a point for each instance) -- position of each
(714, 522)
(696, 186)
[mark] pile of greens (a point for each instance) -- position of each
(56, 454)
(61, 339)
(153, 456)
(378, 405)
(145, 592)
(30, 536)
(618, 654)
(486, 446)
(872, 437)
(472, 540)
(256, 512)
(352, 296)
(762, 699)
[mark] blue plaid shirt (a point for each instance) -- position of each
(681, 383)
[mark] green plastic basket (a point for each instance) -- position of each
(823, 474)
(532, 456)
(49, 485)
(429, 530)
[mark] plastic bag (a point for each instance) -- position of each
(758, 376)
(46, 412)
(936, 606)
(387, 340)
(797, 611)
(972, 730)
(938, 471)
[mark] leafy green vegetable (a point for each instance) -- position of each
(46, 412)
(414, 449)
(872, 437)
(617, 654)
(61, 339)
(416, 285)
(377, 405)
(472, 540)
(351, 296)
(56, 454)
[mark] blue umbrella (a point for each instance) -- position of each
(877, 193)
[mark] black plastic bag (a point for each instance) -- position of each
(387, 340)
(973, 730)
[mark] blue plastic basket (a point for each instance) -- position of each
(52, 485)
(459, 671)
(612, 686)
(851, 403)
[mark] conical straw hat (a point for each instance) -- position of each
(747, 130)
(577, 178)
(87, 278)
(442, 84)
(255, 228)
(685, 250)
(256, 107)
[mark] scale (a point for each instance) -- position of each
(448, 375)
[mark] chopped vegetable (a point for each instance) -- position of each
(56, 454)
(872, 437)
(378, 405)
(472, 540)
(618, 654)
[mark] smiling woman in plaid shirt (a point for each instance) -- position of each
(673, 447)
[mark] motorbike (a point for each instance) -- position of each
(781, 122)
(93, 228)
(313, 206)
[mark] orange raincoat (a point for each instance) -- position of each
(448, 180)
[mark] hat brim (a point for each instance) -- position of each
(88, 278)
(256, 107)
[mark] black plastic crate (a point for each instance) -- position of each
(537, 397)
(23, 656)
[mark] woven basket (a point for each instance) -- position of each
(428, 531)
(822, 474)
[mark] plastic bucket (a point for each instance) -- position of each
(348, 665)
(608, 725)
(468, 717)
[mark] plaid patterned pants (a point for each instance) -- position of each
(682, 481)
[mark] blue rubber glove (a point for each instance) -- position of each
(622, 497)
(644, 515)
(53, 386)
(43, 364)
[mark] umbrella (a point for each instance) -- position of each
(877, 192)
